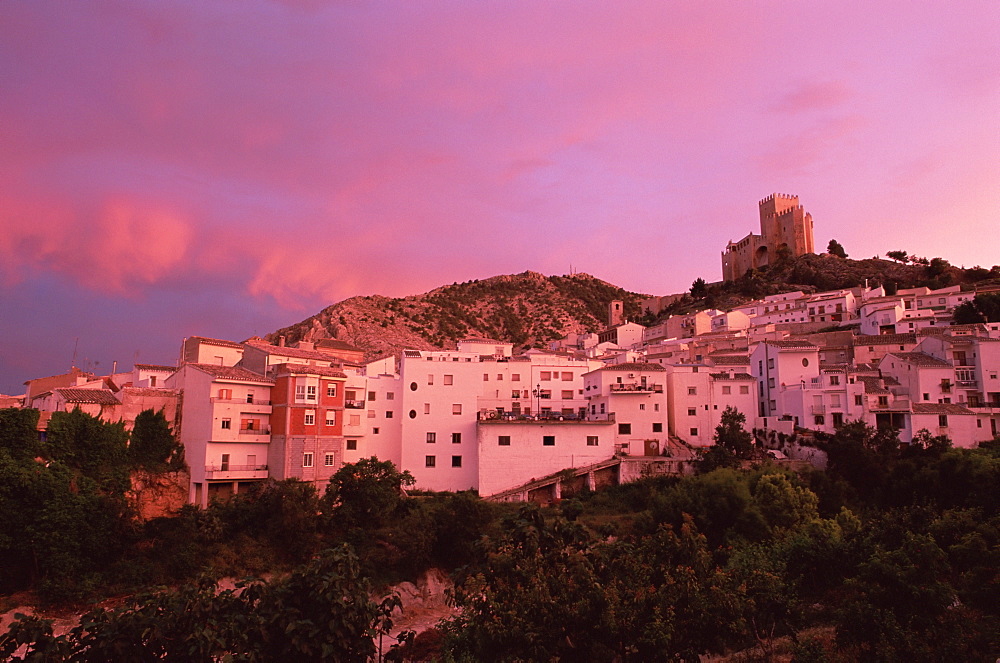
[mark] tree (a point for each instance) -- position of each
(732, 443)
(898, 256)
(984, 307)
(366, 493)
(152, 445)
(835, 249)
(699, 288)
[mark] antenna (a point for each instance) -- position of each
(76, 344)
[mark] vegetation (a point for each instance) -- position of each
(835, 249)
(893, 551)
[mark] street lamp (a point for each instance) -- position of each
(538, 400)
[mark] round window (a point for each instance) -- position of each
(413, 386)
(413, 414)
(805, 362)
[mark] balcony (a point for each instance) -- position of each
(255, 432)
(898, 405)
(818, 409)
(354, 405)
(235, 472)
(255, 406)
(492, 416)
(637, 388)
(967, 384)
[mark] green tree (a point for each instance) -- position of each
(732, 442)
(984, 307)
(152, 445)
(835, 249)
(898, 256)
(699, 289)
(366, 494)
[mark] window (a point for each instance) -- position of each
(449, 379)
(642, 406)
(310, 418)
(355, 420)
(859, 399)
(727, 390)
(225, 394)
(352, 445)
(226, 424)
(658, 428)
(744, 389)
(430, 379)
(656, 407)
(834, 379)
(943, 420)
(371, 395)
(430, 461)
(431, 438)
(770, 362)
(307, 459)
(456, 438)
(375, 430)
(567, 394)
(427, 408)
(331, 389)
(692, 391)
(328, 460)
(413, 386)
(456, 461)
(388, 414)
(567, 376)
(486, 377)
(838, 419)
(545, 376)
(331, 417)
(692, 411)
(456, 408)
(389, 396)
(770, 383)
(499, 376)
(311, 392)
(300, 392)
(250, 397)
(549, 440)
(515, 377)
(515, 394)
(503, 440)
(694, 432)
(225, 462)
(927, 397)
(413, 414)
(591, 440)
(624, 429)
(819, 420)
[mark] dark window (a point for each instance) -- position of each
(430, 461)
(624, 429)
(591, 440)
(657, 428)
(352, 445)
(456, 438)
(504, 440)
(549, 440)
(456, 461)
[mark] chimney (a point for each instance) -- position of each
(281, 341)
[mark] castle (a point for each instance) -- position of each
(783, 225)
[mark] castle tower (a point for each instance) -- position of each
(616, 313)
(784, 225)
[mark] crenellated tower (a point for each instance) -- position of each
(784, 224)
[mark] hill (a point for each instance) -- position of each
(526, 309)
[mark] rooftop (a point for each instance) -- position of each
(96, 396)
(231, 373)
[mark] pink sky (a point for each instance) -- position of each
(170, 169)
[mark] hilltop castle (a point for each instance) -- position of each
(783, 225)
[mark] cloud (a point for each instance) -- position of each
(814, 96)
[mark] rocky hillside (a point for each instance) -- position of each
(526, 309)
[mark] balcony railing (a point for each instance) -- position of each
(236, 471)
(818, 409)
(966, 384)
(354, 405)
(637, 388)
(240, 401)
(517, 417)
(898, 404)
(255, 431)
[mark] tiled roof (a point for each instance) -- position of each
(792, 345)
(730, 360)
(148, 391)
(410, 353)
(231, 373)
(303, 369)
(97, 396)
(940, 408)
(154, 367)
(632, 366)
(479, 339)
(337, 344)
(216, 341)
(741, 377)
(920, 359)
(872, 385)
(885, 339)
